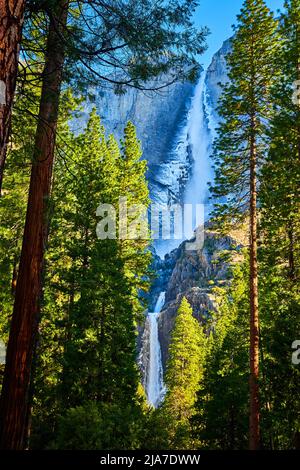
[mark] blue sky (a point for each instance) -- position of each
(219, 16)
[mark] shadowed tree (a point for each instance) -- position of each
(11, 22)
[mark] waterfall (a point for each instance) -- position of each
(155, 385)
(194, 143)
(199, 139)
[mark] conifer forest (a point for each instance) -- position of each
(149, 225)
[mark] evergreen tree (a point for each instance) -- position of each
(220, 421)
(280, 192)
(14, 408)
(134, 243)
(280, 250)
(184, 372)
(280, 300)
(239, 151)
(92, 296)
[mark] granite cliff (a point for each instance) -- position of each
(158, 117)
(194, 276)
(173, 125)
(217, 74)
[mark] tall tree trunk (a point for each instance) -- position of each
(254, 431)
(24, 327)
(11, 23)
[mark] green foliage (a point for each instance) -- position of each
(87, 349)
(100, 426)
(280, 302)
(244, 108)
(221, 421)
(125, 44)
(280, 189)
(87, 392)
(184, 372)
(280, 247)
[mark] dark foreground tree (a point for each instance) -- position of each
(11, 23)
(14, 409)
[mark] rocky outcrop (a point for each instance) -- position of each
(158, 117)
(216, 75)
(202, 268)
(194, 275)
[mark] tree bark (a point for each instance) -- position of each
(14, 404)
(254, 428)
(11, 23)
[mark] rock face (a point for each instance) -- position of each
(217, 74)
(143, 347)
(158, 117)
(194, 275)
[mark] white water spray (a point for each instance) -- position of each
(155, 385)
(195, 139)
(200, 140)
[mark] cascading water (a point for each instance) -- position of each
(155, 385)
(195, 139)
(193, 144)
(199, 140)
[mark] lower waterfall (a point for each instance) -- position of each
(195, 139)
(155, 384)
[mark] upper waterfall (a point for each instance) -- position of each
(194, 143)
(200, 140)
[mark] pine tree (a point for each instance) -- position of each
(87, 347)
(280, 250)
(136, 241)
(220, 421)
(239, 150)
(15, 189)
(14, 410)
(184, 372)
(280, 193)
